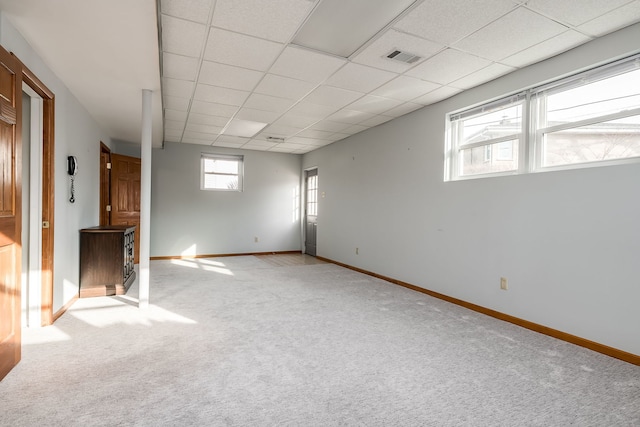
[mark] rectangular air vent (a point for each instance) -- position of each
(407, 58)
(275, 139)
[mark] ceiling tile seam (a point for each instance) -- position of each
(199, 67)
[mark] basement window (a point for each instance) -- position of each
(589, 119)
(221, 172)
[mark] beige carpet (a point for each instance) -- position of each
(250, 341)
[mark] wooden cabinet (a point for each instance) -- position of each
(106, 260)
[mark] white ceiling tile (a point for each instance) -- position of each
(274, 20)
(287, 147)
(175, 103)
(546, 49)
(203, 119)
(257, 115)
(174, 125)
(375, 54)
(284, 87)
(174, 87)
(197, 141)
(223, 75)
(295, 121)
(446, 21)
(612, 21)
(374, 104)
(179, 66)
(213, 109)
(447, 66)
(305, 108)
(193, 10)
(230, 139)
(403, 109)
(316, 134)
(437, 95)
(405, 88)
(353, 129)
(377, 120)
(231, 48)
(339, 136)
(306, 65)
(254, 144)
(182, 37)
(484, 75)
(280, 131)
(512, 33)
(219, 143)
(313, 142)
(574, 12)
(175, 115)
(350, 116)
(359, 78)
(204, 136)
(329, 126)
(243, 128)
(262, 102)
(221, 95)
(214, 130)
(332, 96)
(172, 135)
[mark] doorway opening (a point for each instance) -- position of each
(37, 201)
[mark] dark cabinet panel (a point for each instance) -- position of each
(106, 260)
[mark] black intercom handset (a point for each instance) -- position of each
(72, 165)
(72, 170)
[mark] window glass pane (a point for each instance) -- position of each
(221, 182)
(595, 99)
(499, 157)
(617, 139)
(494, 124)
(221, 166)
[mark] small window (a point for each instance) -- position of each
(486, 139)
(595, 118)
(221, 172)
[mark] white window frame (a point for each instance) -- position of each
(211, 156)
(529, 149)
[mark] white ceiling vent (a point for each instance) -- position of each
(406, 57)
(275, 139)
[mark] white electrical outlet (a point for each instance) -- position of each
(503, 283)
(357, 251)
(255, 239)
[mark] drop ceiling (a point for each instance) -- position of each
(233, 74)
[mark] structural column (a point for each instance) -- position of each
(145, 200)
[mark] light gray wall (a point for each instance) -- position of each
(77, 134)
(188, 221)
(568, 242)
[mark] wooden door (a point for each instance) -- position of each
(125, 195)
(10, 211)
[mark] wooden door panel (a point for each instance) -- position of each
(125, 194)
(10, 212)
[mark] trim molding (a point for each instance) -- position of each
(157, 258)
(64, 308)
(582, 342)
